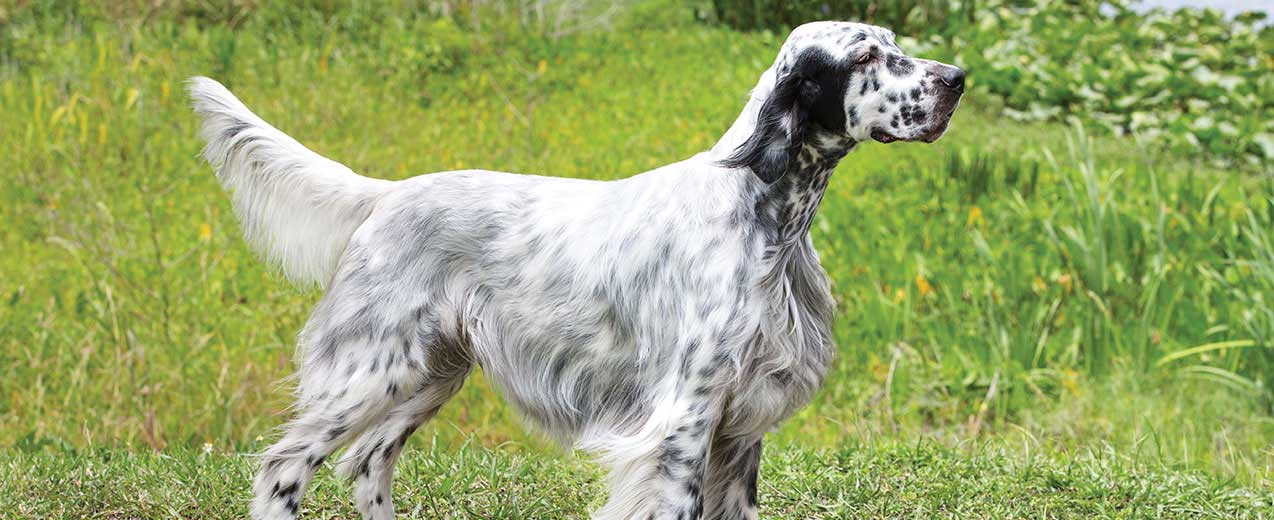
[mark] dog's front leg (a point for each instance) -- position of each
(666, 482)
(683, 460)
(730, 487)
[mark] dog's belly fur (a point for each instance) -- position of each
(581, 337)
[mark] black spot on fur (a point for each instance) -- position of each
(402, 438)
(687, 357)
(233, 130)
(753, 467)
(314, 461)
(285, 490)
(899, 65)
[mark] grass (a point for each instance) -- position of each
(922, 480)
(1013, 281)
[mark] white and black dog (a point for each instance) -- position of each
(665, 321)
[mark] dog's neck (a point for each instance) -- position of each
(785, 208)
(788, 205)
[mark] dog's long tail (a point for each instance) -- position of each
(297, 207)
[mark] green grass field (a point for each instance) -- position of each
(865, 481)
(1033, 321)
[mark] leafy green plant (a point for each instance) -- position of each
(1190, 80)
(929, 16)
(1249, 280)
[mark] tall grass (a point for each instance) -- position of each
(998, 279)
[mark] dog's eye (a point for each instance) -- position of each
(865, 58)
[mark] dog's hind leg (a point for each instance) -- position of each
(370, 460)
(341, 396)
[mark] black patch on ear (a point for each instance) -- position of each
(812, 93)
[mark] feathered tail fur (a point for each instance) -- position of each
(297, 207)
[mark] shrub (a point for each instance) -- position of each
(1190, 80)
(928, 16)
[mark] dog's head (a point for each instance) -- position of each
(845, 80)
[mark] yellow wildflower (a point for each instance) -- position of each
(1070, 381)
(923, 284)
(975, 216)
(879, 370)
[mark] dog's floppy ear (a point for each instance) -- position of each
(780, 126)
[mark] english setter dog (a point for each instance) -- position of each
(665, 321)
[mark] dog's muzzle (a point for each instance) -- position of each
(950, 89)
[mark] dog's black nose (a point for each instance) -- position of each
(953, 78)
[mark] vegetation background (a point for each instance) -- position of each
(1064, 308)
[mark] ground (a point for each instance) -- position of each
(864, 481)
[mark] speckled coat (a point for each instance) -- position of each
(665, 321)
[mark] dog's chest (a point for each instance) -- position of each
(788, 357)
